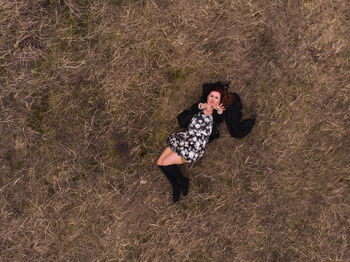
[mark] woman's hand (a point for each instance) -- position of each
(220, 108)
(203, 106)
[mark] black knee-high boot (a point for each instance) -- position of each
(173, 181)
(183, 181)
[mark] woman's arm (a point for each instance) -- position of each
(184, 118)
(218, 118)
(203, 106)
(195, 108)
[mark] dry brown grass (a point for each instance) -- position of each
(90, 89)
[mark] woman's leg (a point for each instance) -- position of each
(173, 181)
(169, 157)
(167, 162)
(164, 154)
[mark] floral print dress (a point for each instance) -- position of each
(191, 144)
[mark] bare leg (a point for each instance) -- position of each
(173, 159)
(167, 151)
(168, 157)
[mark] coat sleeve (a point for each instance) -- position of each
(237, 101)
(218, 118)
(184, 118)
(233, 116)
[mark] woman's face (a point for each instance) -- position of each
(214, 99)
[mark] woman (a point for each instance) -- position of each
(190, 145)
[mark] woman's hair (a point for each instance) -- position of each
(225, 97)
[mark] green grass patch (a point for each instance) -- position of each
(178, 74)
(38, 112)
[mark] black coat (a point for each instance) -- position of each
(184, 119)
(232, 115)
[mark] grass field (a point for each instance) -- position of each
(90, 89)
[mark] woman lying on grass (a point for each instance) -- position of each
(202, 123)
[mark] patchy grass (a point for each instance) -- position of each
(91, 89)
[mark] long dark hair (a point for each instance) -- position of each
(225, 97)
